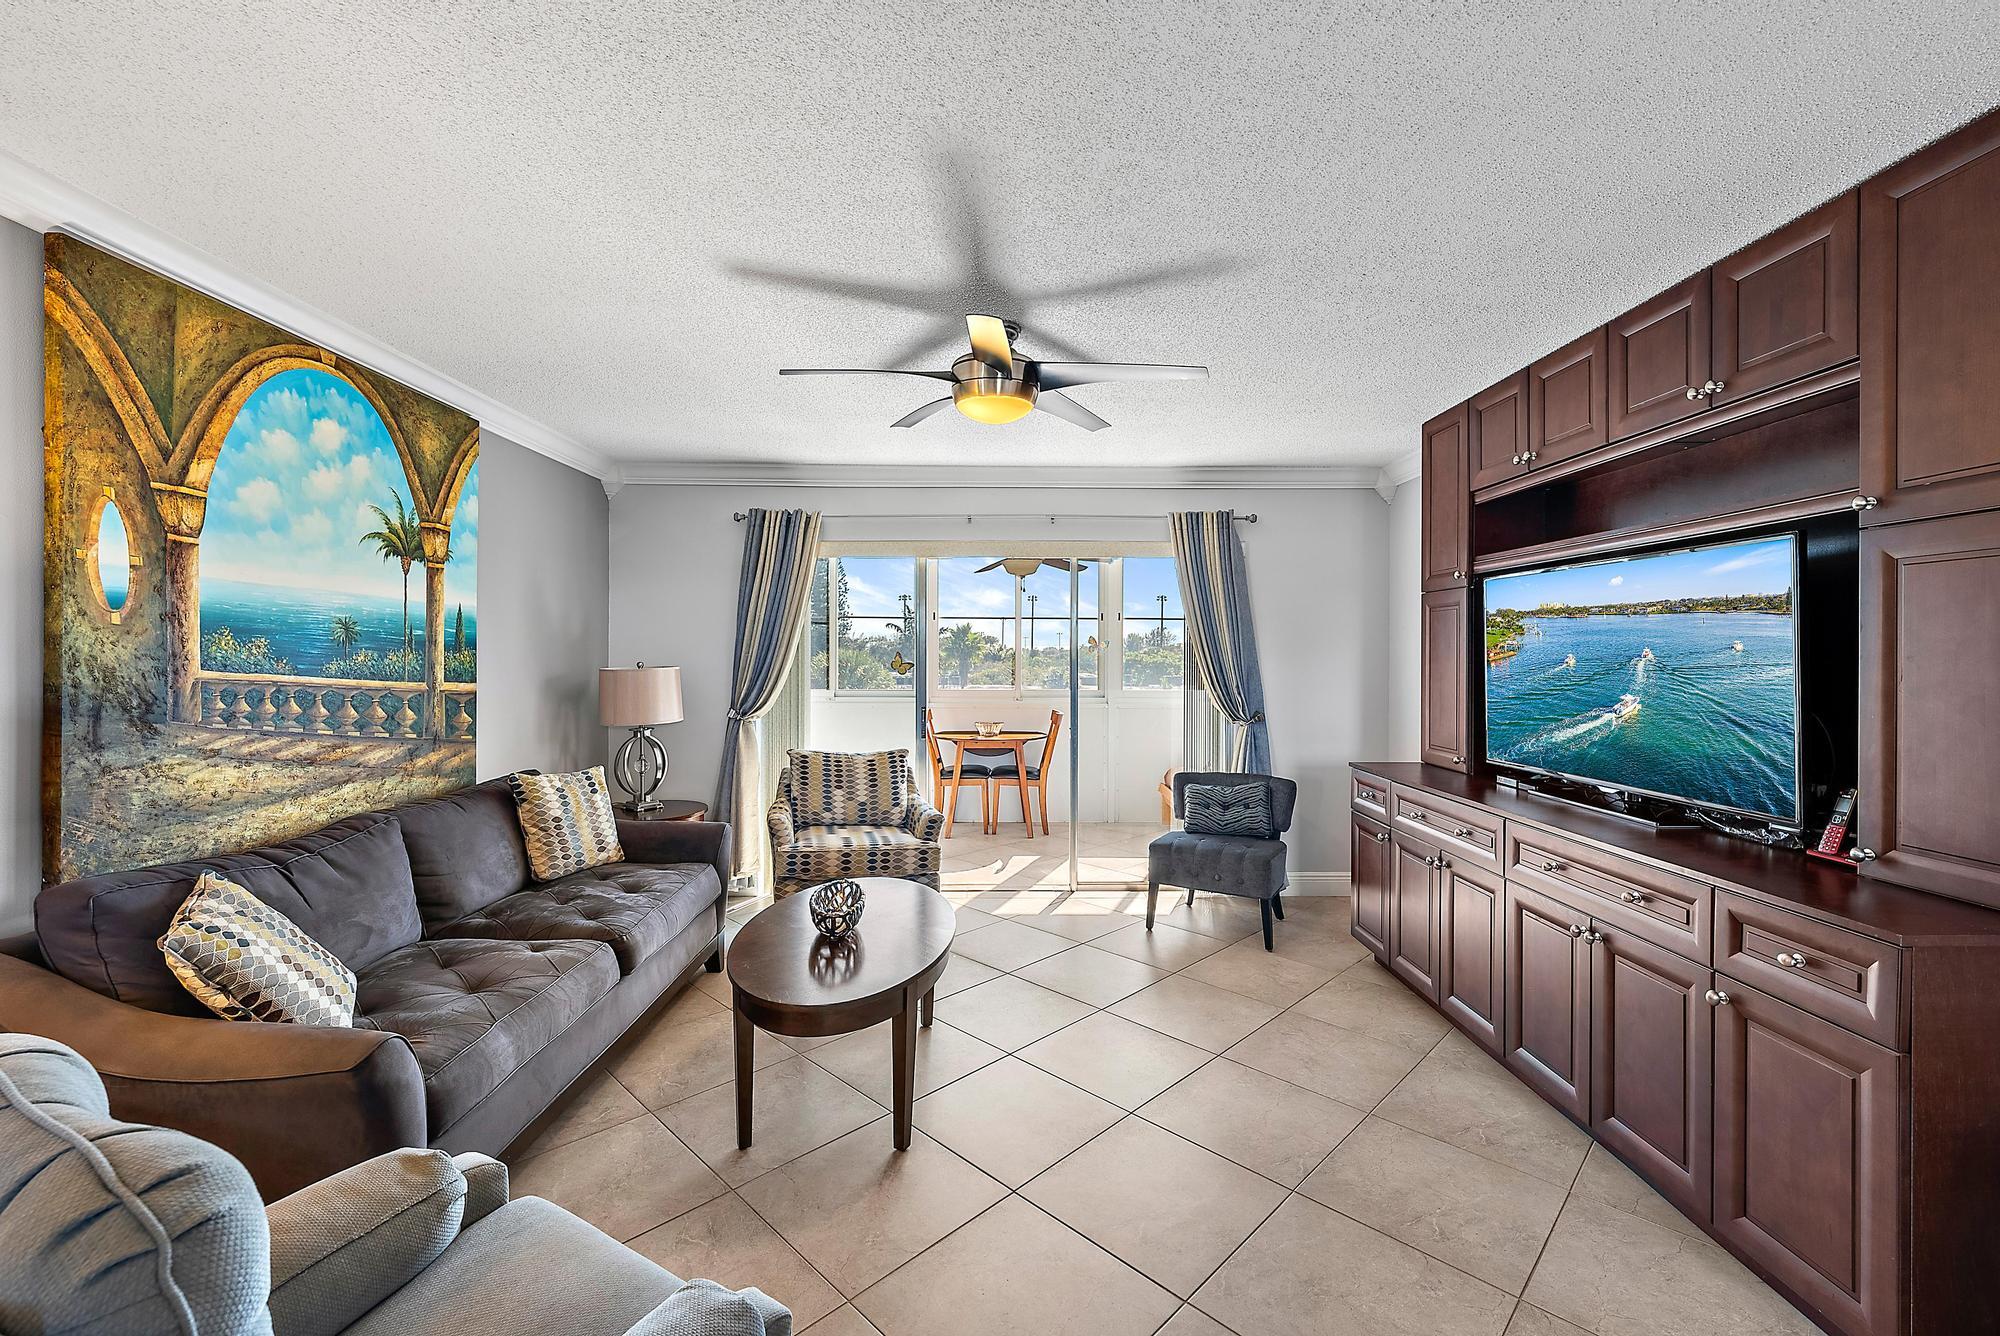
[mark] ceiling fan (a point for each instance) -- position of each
(1023, 567)
(994, 384)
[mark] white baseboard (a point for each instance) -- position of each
(1320, 883)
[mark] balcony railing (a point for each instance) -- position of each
(332, 707)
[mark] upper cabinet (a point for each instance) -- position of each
(1566, 402)
(1447, 525)
(1930, 330)
(1787, 306)
(1497, 423)
(1657, 360)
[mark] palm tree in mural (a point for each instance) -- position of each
(345, 632)
(401, 539)
(960, 645)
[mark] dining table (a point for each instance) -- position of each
(1015, 740)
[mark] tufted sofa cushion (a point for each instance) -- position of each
(465, 849)
(635, 908)
(1228, 864)
(475, 1011)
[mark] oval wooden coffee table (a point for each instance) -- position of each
(786, 978)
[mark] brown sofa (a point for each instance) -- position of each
(482, 993)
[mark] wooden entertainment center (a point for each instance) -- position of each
(1804, 1058)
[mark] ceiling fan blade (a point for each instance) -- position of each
(991, 565)
(1069, 410)
(913, 418)
(861, 371)
(1062, 375)
(989, 342)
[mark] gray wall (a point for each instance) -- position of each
(543, 617)
(1405, 629)
(1317, 563)
(20, 571)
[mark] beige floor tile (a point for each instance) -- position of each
(1532, 1321)
(845, 1320)
(1395, 1016)
(1008, 944)
(1228, 917)
(594, 1103)
(1317, 937)
(970, 919)
(1160, 1204)
(1459, 1095)
(1198, 1013)
(866, 1059)
(1090, 975)
(1481, 1217)
(1249, 969)
(1162, 947)
(961, 973)
(1612, 1273)
(1017, 903)
(1010, 1012)
(1605, 1178)
(1191, 1321)
(727, 1242)
(1308, 1271)
(1080, 919)
(625, 1179)
(795, 1107)
(858, 1209)
(679, 1054)
(1259, 1121)
(1014, 1120)
(716, 986)
(1340, 1064)
(1115, 1059)
(1015, 1270)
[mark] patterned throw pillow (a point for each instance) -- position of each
(566, 821)
(245, 961)
(850, 788)
(1229, 809)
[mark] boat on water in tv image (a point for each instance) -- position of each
(1673, 674)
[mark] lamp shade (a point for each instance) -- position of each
(635, 697)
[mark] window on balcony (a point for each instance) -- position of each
(1155, 624)
(864, 624)
(1003, 633)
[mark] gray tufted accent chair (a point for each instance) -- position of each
(1224, 864)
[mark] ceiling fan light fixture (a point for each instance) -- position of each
(995, 400)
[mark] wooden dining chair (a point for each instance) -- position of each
(1037, 777)
(947, 781)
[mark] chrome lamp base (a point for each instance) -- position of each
(640, 767)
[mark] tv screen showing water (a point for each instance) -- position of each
(1674, 674)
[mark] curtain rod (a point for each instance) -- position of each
(740, 516)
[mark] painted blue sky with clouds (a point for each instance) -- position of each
(1759, 566)
(289, 498)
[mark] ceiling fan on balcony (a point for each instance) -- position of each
(1023, 567)
(995, 384)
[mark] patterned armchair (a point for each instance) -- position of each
(840, 814)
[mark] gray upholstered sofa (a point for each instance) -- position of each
(482, 993)
(1224, 864)
(114, 1227)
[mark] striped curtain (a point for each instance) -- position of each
(779, 547)
(1215, 591)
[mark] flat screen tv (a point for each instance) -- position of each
(1673, 674)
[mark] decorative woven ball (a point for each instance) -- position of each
(836, 907)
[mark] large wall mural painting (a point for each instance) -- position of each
(262, 608)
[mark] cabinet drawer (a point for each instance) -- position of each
(1458, 830)
(1371, 795)
(1840, 976)
(1654, 905)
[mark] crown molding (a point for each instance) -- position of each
(876, 477)
(1398, 471)
(35, 199)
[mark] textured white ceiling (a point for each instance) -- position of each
(1364, 211)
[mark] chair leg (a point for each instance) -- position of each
(1190, 897)
(1152, 902)
(714, 963)
(1026, 819)
(1278, 906)
(1042, 790)
(1265, 905)
(950, 805)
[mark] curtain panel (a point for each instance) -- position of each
(1215, 593)
(779, 547)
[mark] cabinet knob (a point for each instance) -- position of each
(1593, 937)
(1443, 862)
(1694, 394)
(1417, 814)
(1381, 838)
(1576, 930)
(1529, 458)
(1717, 998)
(1463, 832)
(1865, 855)
(1864, 503)
(1516, 458)
(1792, 960)
(1634, 897)
(1457, 574)
(1458, 760)
(1551, 865)
(1711, 389)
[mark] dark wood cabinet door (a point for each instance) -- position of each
(1497, 426)
(1446, 721)
(1413, 914)
(1371, 886)
(1806, 1156)
(1566, 403)
(1788, 305)
(1650, 1038)
(1447, 518)
(1655, 354)
(1930, 329)
(1469, 964)
(1930, 705)
(1545, 998)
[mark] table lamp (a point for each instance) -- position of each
(639, 698)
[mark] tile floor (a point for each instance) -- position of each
(1108, 854)
(1176, 1134)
